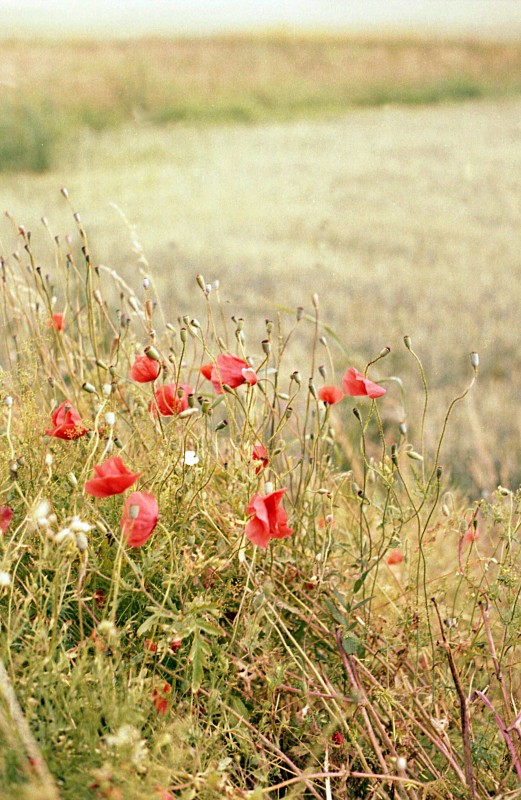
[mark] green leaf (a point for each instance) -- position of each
(197, 656)
(350, 645)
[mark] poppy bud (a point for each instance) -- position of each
(322, 371)
(403, 428)
(152, 353)
(323, 341)
(223, 424)
(71, 477)
(183, 334)
(384, 352)
(89, 388)
(195, 323)
(110, 418)
(445, 510)
(312, 388)
(357, 414)
(106, 389)
(186, 319)
(146, 283)
(474, 360)
(296, 376)
(8, 401)
(300, 313)
(407, 342)
(414, 455)
(269, 325)
(202, 284)
(266, 346)
(97, 297)
(64, 192)
(314, 300)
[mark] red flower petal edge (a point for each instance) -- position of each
(67, 423)
(139, 518)
(269, 520)
(112, 477)
(355, 384)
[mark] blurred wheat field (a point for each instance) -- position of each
(405, 219)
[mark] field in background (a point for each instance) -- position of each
(405, 220)
(51, 90)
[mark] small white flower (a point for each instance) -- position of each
(62, 535)
(5, 579)
(190, 458)
(78, 526)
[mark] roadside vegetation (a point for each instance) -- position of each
(227, 574)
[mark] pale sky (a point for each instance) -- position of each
(134, 17)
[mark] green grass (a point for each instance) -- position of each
(198, 665)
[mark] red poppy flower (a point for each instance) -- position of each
(160, 697)
(144, 369)
(112, 477)
(259, 453)
(231, 371)
(269, 520)
(394, 557)
(206, 370)
(139, 518)
(356, 385)
(57, 321)
(338, 738)
(330, 395)
(167, 400)
(6, 515)
(150, 645)
(67, 422)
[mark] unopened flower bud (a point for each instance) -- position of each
(407, 342)
(322, 371)
(106, 389)
(296, 376)
(89, 388)
(266, 346)
(402, 428)
(133, 303)
(269, 325)
(357, 414)
(312, 388)
(414, 455)
(201, 282)
(8, 401)
(71, 477)
(97, 297)
(64, 192)
(314, 300)
(110, 418)
(323, 341)
(384, 352)
(151, 352)
(183, 334)
(146, 283)
(194, 323)
(300, 313)
(48, 459)
(474, 360)
(223, 424)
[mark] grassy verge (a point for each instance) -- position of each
(224, 577)
(229, 79)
